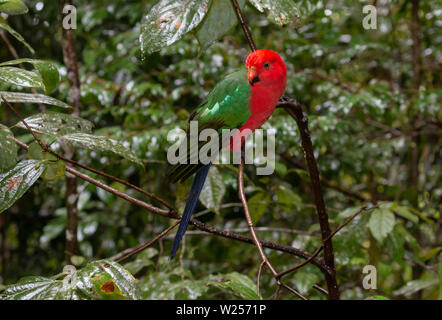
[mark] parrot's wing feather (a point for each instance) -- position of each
(226, 107)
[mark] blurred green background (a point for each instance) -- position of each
(373, 102)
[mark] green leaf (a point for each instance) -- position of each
(395, 247)
(217, 22)
(280, 12)
(287, 198)
(14, 183)
(144, 259)
(98, 280)
(47, 70)
(258, 205)
(405, 213)
(16, 35)
(213, 190)
(348, 212)
(8, 154)
(14, 97)
(106, 279)
(304, 281)
(20, 77)
(427, 255)
(57, 124)
(36, 288)
(55, 169)
(440, 280)
(239, 284)
(415, 286)
(13, 7)
(377, 297)
(168, 21)
(381, 223)
(92, 142)
(179, 287)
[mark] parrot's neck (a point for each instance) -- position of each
(263, 101)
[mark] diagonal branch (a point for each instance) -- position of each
(77, 164)
(347, 221)
(244, 25)
(126, 254)
(198, 224)
(265, 260)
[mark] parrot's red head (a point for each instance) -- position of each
(265, 69)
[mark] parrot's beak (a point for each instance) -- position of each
(252, 76)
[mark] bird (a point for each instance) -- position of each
(243, 100)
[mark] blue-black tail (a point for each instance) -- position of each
(197, 185)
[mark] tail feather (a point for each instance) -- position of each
(194, 194)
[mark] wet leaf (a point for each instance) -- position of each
(287, 198)
(13, 7)
(20, 77)
(8, 154)
(14, 97)
(17, 36)
(218, 21)
(14, 183)
(107, 279)
(405, 213)
(415, 286)
(55, 169)
(47, 70)
(238, 283)
(98, 280)
(280, 12)
(213, 190)
(57, 124)
(258, 205)
(170, 20)
(381, 223)
(92, 142)
(36, 288)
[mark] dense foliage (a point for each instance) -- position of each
(372, 98)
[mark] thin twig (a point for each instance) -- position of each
(75, 163)
(253, 233)
(102, 185)
(347, 221)
(249, 218)
(135, 250)
(320, 289)
(258, 280)
(244, 25)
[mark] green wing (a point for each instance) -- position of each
(226, 107)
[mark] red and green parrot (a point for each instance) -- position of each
(243, 100)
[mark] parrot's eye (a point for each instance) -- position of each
(267, 65)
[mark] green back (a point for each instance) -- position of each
(227, 104)
(226, 107)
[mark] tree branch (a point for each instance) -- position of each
(295, 111)
(199, 225)
(244, 25)
(347, 221)
(264, 258)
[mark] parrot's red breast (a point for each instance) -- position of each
(267, 74)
